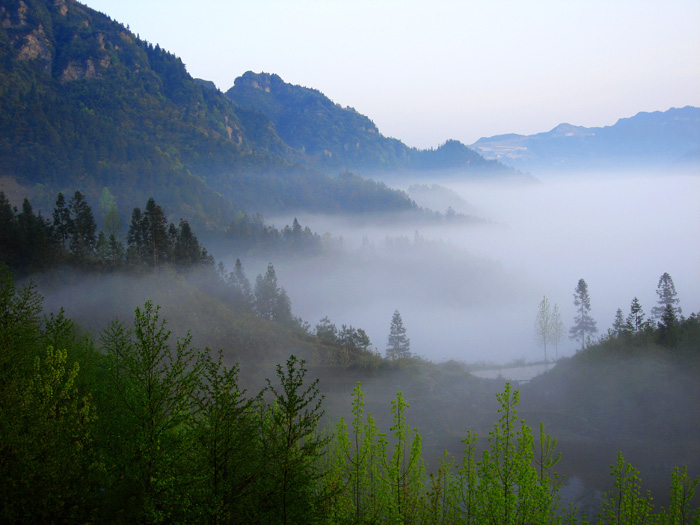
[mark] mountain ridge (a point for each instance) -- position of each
(651, 139)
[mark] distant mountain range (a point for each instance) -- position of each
(669, 139)
(85, 104)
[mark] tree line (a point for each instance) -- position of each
(32, 243)
(133, 426)
(664, 325)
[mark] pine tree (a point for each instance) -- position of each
(135, 238)
(8, 232)
(584, 324)
(241, 285)
(619, 326)
(83, 231)
(398, 345)
(187, 251)
(666, 291)
(271, 301)
(62, 222)
(635, 319)
(155, 233)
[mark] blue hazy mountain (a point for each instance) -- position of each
(669, 139)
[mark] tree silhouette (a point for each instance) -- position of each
(398, 344)
(584, 324)
(666, 291)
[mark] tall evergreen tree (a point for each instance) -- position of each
(584, 325)
(666, 291)
(135, 238)
(635, 319)
(155, 233)
(619, 325)
(271, 301)
(62, 221)
(8, 232)
(83, 235)
(241, 285)
(34, 240)
(186, 248)
(398, 344)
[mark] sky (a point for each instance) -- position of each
(429, 71)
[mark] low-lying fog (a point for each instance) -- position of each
(470, 291)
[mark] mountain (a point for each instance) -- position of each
(86, 105)
(647, 140)
(333, 136)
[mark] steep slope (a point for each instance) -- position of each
(338, 137)
(85, 104)
(659, 139)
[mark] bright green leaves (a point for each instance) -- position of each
(626, 505)
(155, 387)
(291, 445)
(48, 464)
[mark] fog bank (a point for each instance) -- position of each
(470, 291)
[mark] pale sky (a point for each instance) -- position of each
(428, 71)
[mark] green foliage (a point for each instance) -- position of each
(291, 446)
(155, 384)
(229, 465)
(47, 461)
(625, 504)
(404, 472)
(155, 431)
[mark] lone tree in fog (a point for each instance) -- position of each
(557, 330)
(667, 297)
(543, 325)
(584, 324)
(398, 344)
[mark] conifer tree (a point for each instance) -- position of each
(666, 291)
(135, 238)
(241, 285)
(62, 221)
(271, 301)
(83, 232)
(398, 344)
(619, 325)
(635, 319)
(155, 233)
(584, 325)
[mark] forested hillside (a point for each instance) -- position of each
(85, 105)
(132, 423)
(337, 137)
